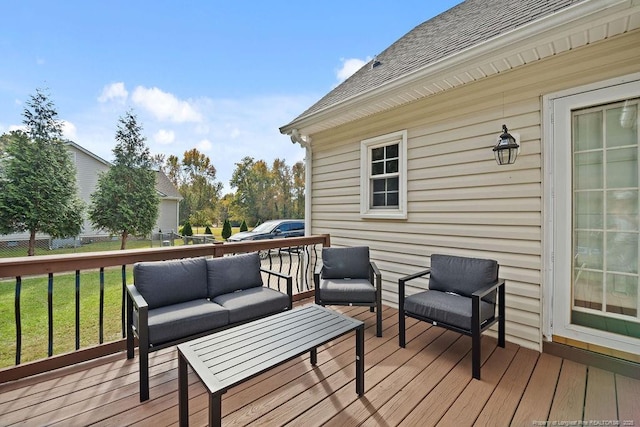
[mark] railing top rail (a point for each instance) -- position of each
(44, 264)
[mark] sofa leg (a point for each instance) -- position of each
(371, 309)
(475, 356)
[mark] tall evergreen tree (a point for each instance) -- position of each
(125, 201)
(37, 177)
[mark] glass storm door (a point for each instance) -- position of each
(597, 238)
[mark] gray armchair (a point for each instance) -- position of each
(461, 297)
(348, 277)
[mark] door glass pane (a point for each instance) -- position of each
(606, 230)
(587, 131)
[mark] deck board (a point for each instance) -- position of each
(427, 383)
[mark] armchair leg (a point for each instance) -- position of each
(401, 331)
(144, 373)
(379, 319)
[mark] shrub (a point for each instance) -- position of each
(243, 226)
(226, 229)
(207, 230)
(186, 229)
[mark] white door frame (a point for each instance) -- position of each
(557, 213)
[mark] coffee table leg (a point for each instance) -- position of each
(215, 410)
(360, 360)
(183, 391)
(314, 356)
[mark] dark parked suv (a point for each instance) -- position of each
(274, 229)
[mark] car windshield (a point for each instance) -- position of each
(265, 226)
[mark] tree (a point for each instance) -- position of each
(243, 226)
(207, 230)
(37, 177)
(186, 229)
(226, 229)
(125, 201)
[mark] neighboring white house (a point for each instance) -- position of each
(564, 77)
(88, 168)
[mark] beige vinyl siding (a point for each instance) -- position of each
(459, 200)
(88, 169)
(167, 216)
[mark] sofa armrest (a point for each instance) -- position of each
(289, 281)
(137, 303)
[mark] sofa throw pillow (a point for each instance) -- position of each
(233, 273)
(461, 275)
(163, 283)
(343, 263)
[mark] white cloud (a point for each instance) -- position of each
(165, 106)
(164, 137)
(114, 91)
(17, 127)
(349, 66)
(204, 145)
(69, 130)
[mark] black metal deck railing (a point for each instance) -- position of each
(297, 257)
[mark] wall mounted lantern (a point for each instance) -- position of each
(507, 148)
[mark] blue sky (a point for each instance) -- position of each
(220, 76)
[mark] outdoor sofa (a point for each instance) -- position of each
(174, 301)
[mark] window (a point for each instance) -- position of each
(383, 187)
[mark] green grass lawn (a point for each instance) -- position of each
(34, 311)
(34, 314)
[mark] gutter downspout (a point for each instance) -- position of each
(305, 142)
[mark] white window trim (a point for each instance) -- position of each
(366, 146)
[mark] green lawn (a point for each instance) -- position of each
(34, 311)
(34, 314)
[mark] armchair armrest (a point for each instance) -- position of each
(401, 284)
(287, 278)
(137, 303)
(480, 293)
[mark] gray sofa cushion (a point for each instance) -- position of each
(164, 283)
(341, 263)
(232, 273)
(252, 303)
(446, 308)
(182, 320)
(347, 290)
(462, 275)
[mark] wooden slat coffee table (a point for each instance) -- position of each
(227, 358)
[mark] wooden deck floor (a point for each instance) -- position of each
(427, 383)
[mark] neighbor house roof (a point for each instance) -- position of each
(468, 42)
(165, 187)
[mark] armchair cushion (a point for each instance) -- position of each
(233, 273)
(442, 307)
(163, 283)
(184, 319)
(462, 275)
(347, 291)
(341, 263)
(252, 303)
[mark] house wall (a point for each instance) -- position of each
(459, 200)
(167, 216)
(88, 169)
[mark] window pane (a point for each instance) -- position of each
(620, 130)
(588, 210)
(392, 151)
(392, 166)
(587, 289)
(587, 131)
(393, 199)
(622, 168)
(589, 249)
(377, 153)
(588, 171)
(377, 168)
(378, 185)
(392, 184)
(622, 253)
(378, 199)
(622, 210)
